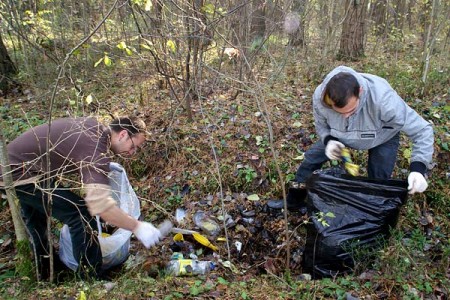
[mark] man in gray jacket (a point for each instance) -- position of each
(362, 111)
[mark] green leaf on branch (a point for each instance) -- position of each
(88, 99)
(145, 46)
(107, 60)
(122, 45)
(208, 8)
(171, 45)
(98, 62)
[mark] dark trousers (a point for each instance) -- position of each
(380, 165)
(70, 209)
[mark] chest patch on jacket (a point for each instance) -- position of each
(367, 135)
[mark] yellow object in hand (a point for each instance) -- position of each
(349, 166)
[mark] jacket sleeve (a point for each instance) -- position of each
(320, 122)
(419, 131)
(98, 198)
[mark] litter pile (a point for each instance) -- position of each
(256, 239)
(345, 215)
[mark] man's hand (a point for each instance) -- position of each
(416, 183)
(147, 234)
(333, 149)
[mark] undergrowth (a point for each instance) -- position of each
(177, 168)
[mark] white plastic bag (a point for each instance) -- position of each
(115, 248)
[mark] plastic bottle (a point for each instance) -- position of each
(189, 267)
(206, 223)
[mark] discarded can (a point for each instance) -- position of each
(189, 267)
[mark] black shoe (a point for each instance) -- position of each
(296, 200)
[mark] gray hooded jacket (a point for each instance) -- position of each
(381, 114)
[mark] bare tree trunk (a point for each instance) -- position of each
(379, 17)
(424, 20)
(23, 246)
(196, 31)
(7, 69)
(258, 21)
(409, 15)
(353, 31)
(328, 24)
(400, 14)
(429, 43)
(19, 226)
(159, 4)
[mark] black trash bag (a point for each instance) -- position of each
(364, 212)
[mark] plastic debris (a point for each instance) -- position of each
(204, 241)
(349, 166)
(180, 214)
(238, 246)
(205, 223)
(198, 237)
(189, 267)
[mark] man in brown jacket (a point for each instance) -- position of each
(84, 147)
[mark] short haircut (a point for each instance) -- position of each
(340, 88)
(133, 125)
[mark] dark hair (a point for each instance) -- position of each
(133, 125)
(340, 88)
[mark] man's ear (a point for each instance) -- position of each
(122, 134)
(360, 91)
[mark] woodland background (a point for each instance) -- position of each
(225, 88)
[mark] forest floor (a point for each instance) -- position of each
(234, 133)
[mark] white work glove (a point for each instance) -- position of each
(416, 183)
(333, 149)
(147, 234)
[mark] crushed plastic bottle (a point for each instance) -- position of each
(189, 267)
(206, 223)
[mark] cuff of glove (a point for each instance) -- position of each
(417, 166)
(329, 138)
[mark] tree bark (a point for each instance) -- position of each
(379, 18)
(353, 31)
(24, 260)
(400, 14)
(328, 25)
(258, 21)
(7, 69)
(19, 227)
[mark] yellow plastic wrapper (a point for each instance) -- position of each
(199, 238)
(204, 241)
(349, 166)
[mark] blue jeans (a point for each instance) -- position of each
(381, 162)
